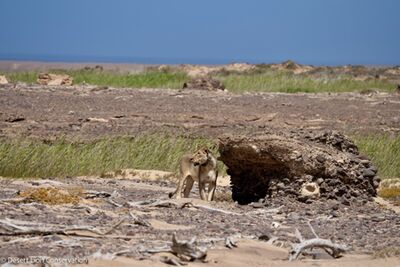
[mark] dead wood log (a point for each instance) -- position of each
(188, 250)
(333, 249)
(16, 227)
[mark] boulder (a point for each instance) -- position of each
(3, 79)
(54, 79)
(302, 165)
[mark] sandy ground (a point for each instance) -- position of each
(253, 253)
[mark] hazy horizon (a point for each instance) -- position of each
(340, 32)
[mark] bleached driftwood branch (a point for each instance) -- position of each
(185, 250)
(188, 250)
(331, 248)
(16, 227)
(139, 221)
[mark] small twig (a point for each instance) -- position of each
(312, 229)
(216, 210)
(112, 202)
(264, 211)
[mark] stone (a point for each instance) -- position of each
(310, 190)
(3, 79)
(368, 173)
(54, 79)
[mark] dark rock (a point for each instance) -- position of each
(320, 158)
(204, 83)
(368, 173)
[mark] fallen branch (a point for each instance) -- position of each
(264, 211)
(331, 248)
(14, 229)
(96, 194)
(172, 203)
(139, 221)
(216, 210)
(230, 242)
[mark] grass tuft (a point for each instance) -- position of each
(286, 82)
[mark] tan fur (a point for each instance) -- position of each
(200, 167)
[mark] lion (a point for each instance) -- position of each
(200, 167)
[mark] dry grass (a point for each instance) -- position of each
(52, 195)
(387, 252)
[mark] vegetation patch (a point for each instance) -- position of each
(52, 195)
(387, 252)
(286, 82)
(152, 79)
(60, 158)
(259, 80)
(383, 150)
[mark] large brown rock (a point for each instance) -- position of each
(54, 79)
(303, 165)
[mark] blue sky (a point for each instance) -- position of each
(206, 31)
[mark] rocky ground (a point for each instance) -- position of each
(139, 217)
(90, 112)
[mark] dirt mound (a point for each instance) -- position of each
(205, 83)
(305, 166)
(54, 79)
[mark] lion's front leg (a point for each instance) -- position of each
(211, 187)
(202, 190)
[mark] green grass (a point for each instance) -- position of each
(384, 152)
(153, 79)
(32, 158)
(280, 81)
(264, 80)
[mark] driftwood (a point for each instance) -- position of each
(230, 242)
(172, 261)
(331, 248)
(188, 250)
(184, 250)
(17, 227)
(139, 221)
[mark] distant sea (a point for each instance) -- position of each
(174, 61)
